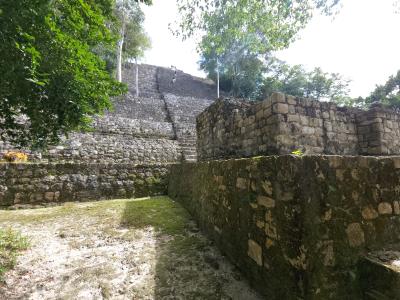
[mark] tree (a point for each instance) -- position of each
(240, 70)
(52, 81)
(259, 26)
(272, 24)
(132, 37)
(136, 42)
(296, 81)
(388, 93)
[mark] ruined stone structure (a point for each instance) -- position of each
(282, 124)
(156, 127)
(312, 227)
(30, 185)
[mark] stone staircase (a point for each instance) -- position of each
(158, 125)
(163, 101)
(148, 87)
(188, 148)
(183, 111)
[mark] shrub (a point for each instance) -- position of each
(15, 157)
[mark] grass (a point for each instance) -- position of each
(161, 213)
(11, 243)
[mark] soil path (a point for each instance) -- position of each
(120, 249)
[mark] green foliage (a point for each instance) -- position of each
(270, 24)
(238, 33)
(51, 76)
(296, 81)
(161, 213)
(11, 242)
(388, 93)
(240, 70)
(136, 41)
(245, 75)
(298, 152)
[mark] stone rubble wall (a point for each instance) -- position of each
(185, 85)
(116, 148)
(183, 112)
(38, 184)
(295, 226)
(282, 124)
(155, 127)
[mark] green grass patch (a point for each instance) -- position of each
(161, 213)
(11, 243)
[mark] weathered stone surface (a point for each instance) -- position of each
(232, 128)
(369, 213)
(355, 235)
(158, 126)
(385, 208)
(266, 201)
(314, 233)
(79, 182)
(255, 252)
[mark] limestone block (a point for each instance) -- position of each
(396, 206)
(280, 108)
(278, 97)
(369, 213)
(242, 183)
(385, 208)
(355, 235)
(49, 196)
(255, 251)
(266, 201)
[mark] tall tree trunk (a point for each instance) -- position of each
(137, 78)
(119, 59)
(120, 46)
(217, 78)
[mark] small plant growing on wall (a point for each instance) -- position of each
(297, 152)
(15, 157)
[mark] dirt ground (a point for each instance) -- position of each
(119, 249)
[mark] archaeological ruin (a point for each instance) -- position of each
(323, 225)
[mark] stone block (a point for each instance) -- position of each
(385, 208)
(255, 252)
(280, 108)
(278, 97)
(266, 201)
(369, 213)
(355, 235)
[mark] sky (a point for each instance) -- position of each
(361, 42)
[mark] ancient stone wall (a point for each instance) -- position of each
(155, 127)
(183, 111)
(296, 226)
(282, 124)
(185, 85)
(44, 183)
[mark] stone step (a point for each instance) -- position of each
(186, 141)
(191, 158)
(379, 274)
(189, 153)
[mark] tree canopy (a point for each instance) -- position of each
(52, 81)
(264, 25)
(296, 81)
(237, 35)
(387, 93)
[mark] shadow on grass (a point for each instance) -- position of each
(186, 266)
